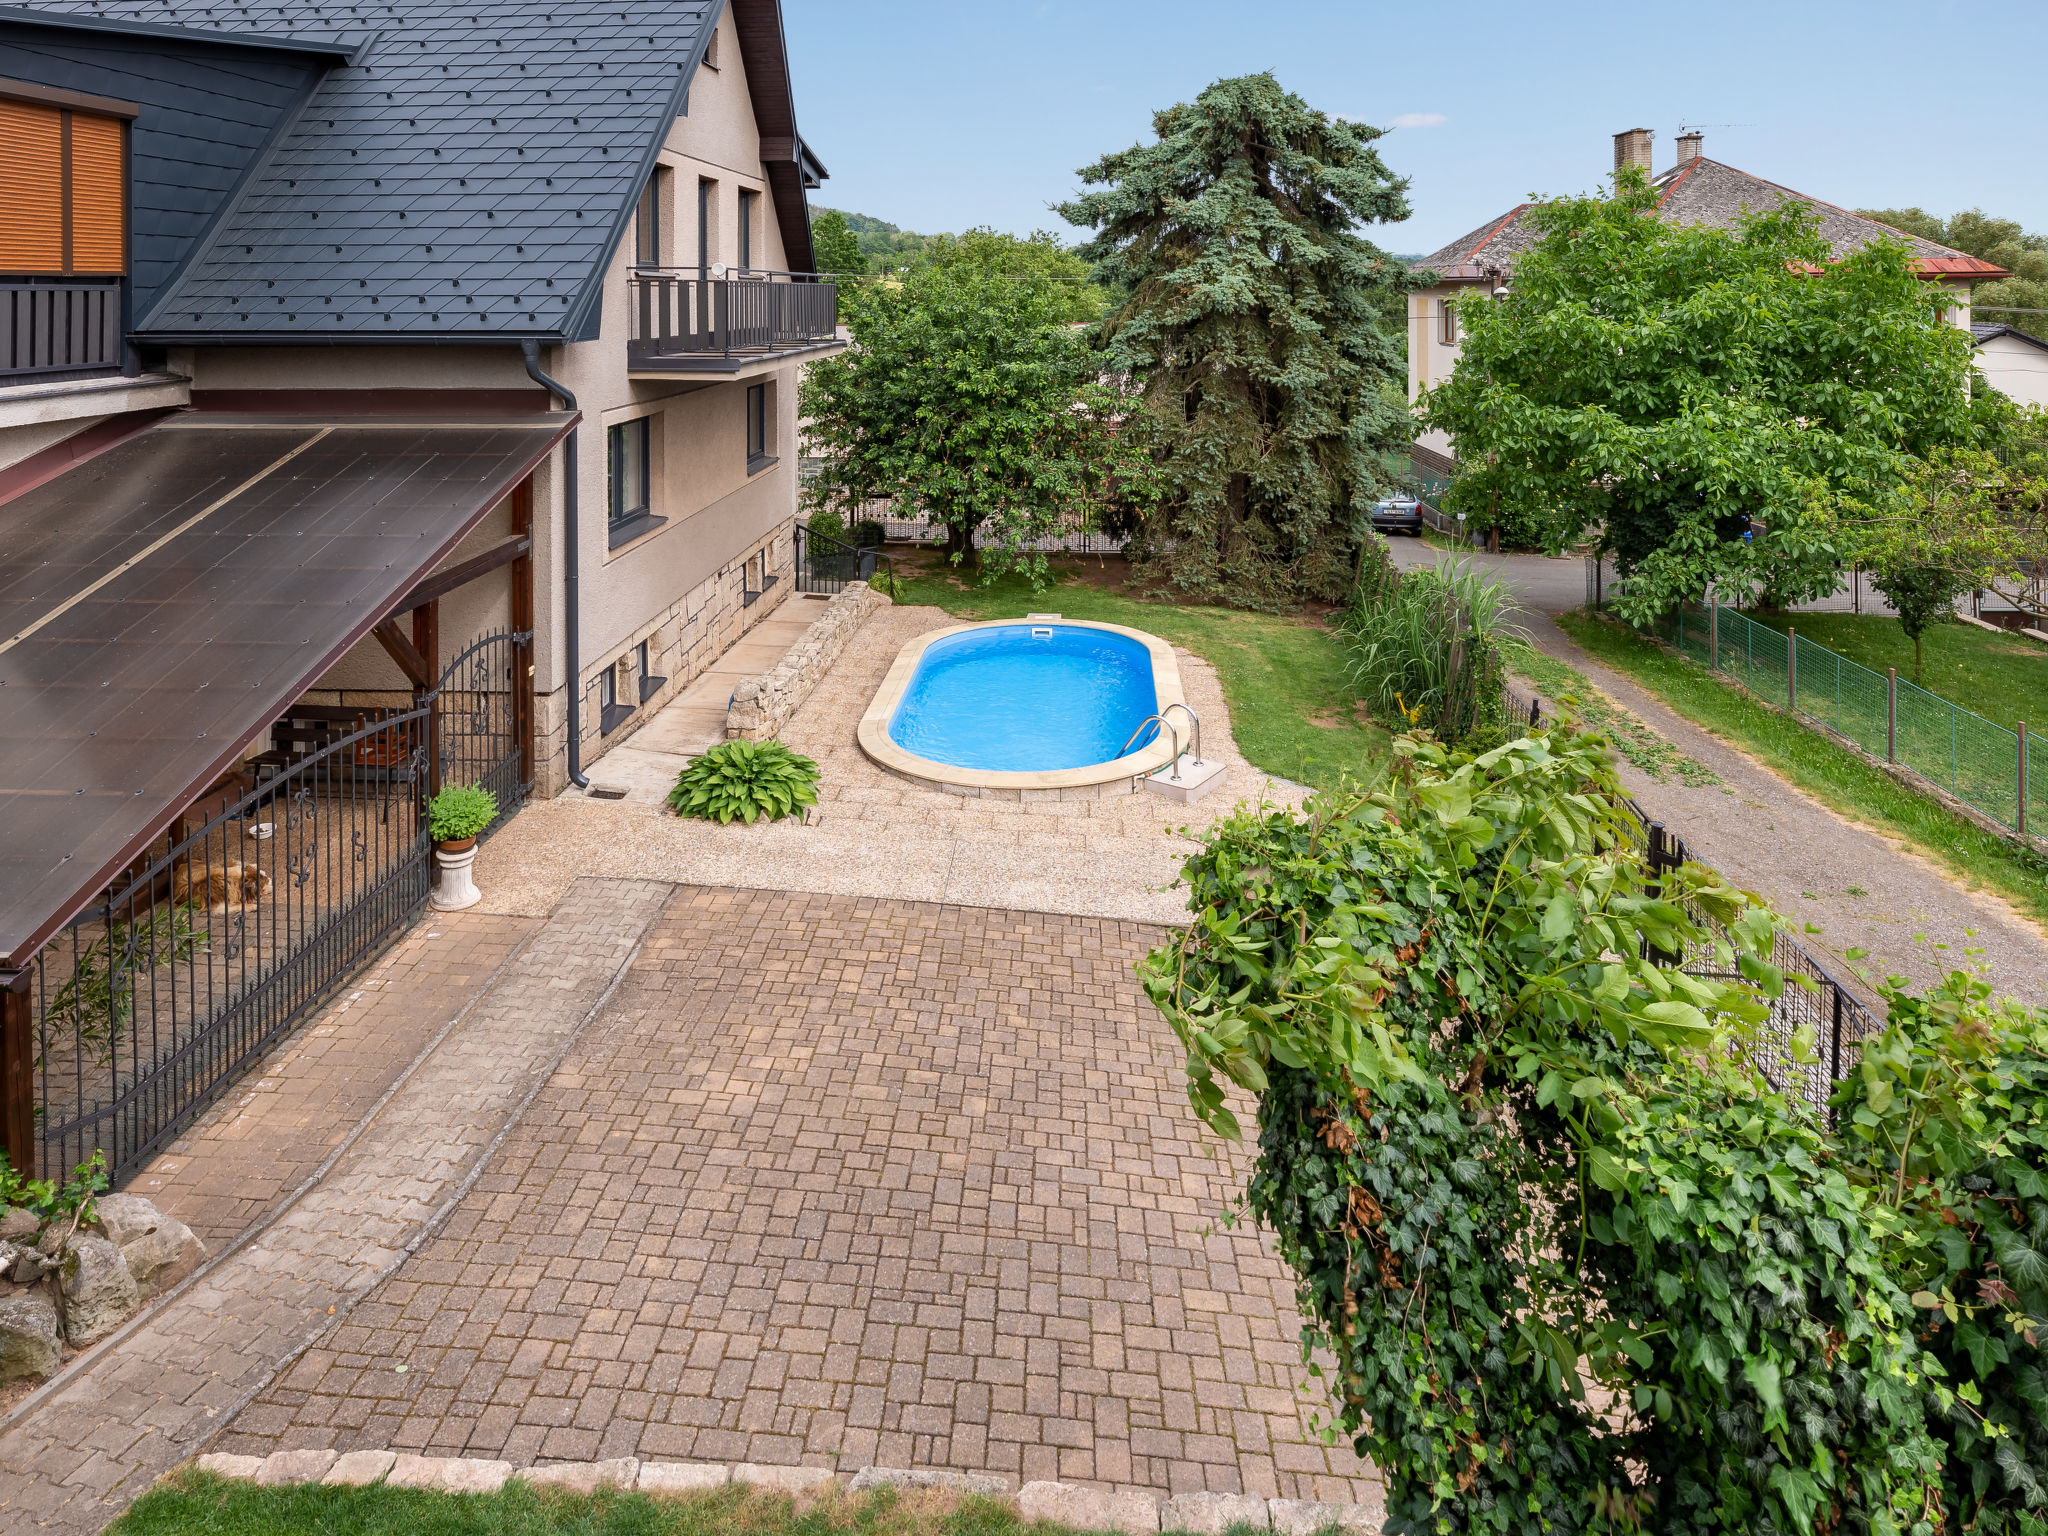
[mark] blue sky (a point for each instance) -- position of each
(940, 114)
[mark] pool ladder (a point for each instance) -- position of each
(1165, 725)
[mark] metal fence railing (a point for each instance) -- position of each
(1983, 764)
(825, 564)
(1814, 1002)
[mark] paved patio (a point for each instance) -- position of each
(880, 835)
(845, 1181)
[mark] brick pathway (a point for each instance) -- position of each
(75, 1458)
(272, 1131)
(845, 1181)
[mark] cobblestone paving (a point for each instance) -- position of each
(266, 1138)
(842, 1181)
(71, 1461)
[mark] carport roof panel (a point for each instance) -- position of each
(162, 603)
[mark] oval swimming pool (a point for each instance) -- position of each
(1025, 697)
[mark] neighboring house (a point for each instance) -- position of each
(1696, 190)
(432, 364)
(2012, 362)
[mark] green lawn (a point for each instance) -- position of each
(193, 1503)
(1829, 772)
(1293, 710)
(2001, 677)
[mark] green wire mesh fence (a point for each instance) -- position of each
(1992, 770)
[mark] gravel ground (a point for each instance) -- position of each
(879, 835)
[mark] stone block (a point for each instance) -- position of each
(984, 1483)
(30, 1348)
(1089, 1509)
(18, 1225)
(158, 1249)
(681, 1476)
(448, 1474)
(282, 1469)
(585, 1476)
(359, 1469)
(1305, 1517)
(784, 1479)
(1211, 1514)
(95, 1292)
(220, 1464)
(1197, 778)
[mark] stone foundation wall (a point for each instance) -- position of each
(684, 639)
(762, 706)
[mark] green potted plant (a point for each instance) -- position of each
(455, 818)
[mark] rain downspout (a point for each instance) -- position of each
(571, 636)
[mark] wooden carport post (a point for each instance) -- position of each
(18, 1071)
(426, 639)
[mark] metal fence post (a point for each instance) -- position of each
(1714, 630)
(2020, 822)
(1792, 669)
(18, 1072)
(1891, 714)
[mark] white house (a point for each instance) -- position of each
(2012, 362)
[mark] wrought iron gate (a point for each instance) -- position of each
(481, 731)
(219, 940)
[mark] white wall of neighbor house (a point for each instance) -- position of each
(2015, 368)
(1433, 350)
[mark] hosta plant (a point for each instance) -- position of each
(745, 779)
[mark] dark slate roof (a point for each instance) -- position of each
(1991, 330)
(469, 174)
(1703, 191)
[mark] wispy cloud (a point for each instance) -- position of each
(1417, 120)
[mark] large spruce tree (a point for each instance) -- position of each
(1251, 319)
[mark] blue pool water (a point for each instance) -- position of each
(1005, 699)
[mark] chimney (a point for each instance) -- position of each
(1633, 148)
(1689, 146)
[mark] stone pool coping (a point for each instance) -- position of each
(1118, 776)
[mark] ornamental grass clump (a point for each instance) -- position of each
(745, 779)
(1567, 1260)
(1425, 645)
(461, 812)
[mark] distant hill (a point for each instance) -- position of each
(886, 246)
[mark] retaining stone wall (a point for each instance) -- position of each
(761, 706)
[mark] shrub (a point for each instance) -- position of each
(747, 779)
(828, 523)
(460, 811)
(1575, 1263)
(1425, 646)
(868, 533)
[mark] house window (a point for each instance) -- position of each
(630, 510)
(747, 201)
(643, 661)
(707, 195)
(607, 701)
(63, 186)
(758, 456)
(647, 223)
(1450, 318)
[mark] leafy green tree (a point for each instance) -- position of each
(837, 249)
(2021, 300)
(1718, 401)
(1038, 258)
(1249, 316)
(969, 397)
(1924, 595)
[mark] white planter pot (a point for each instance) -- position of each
(456, 888)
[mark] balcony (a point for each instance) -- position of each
(687, 320)
(58, 327)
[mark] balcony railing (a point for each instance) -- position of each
(686, 320)
(51, 326)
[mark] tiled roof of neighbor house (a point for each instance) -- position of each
(1703, 191)
(468, 173)
(1991, 330)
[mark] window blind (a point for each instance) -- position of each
(62, 186)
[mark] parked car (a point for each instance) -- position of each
(1397, 514)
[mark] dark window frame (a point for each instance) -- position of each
(758, 456)
(623, 523)
(748, 198)
(647, 221)
(707, 198)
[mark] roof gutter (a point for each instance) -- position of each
(572, 639)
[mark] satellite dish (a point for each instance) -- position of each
(718, 269)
